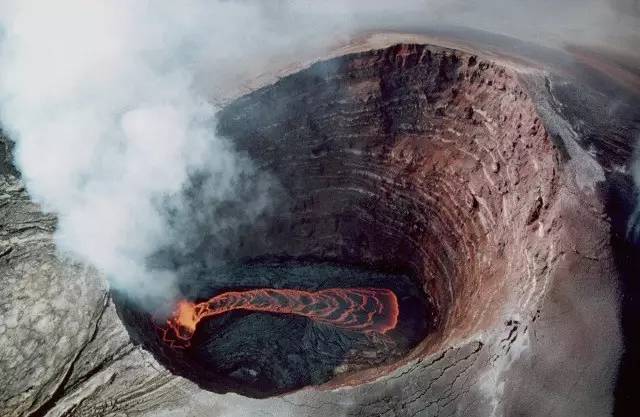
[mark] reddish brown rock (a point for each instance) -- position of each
(390, 158)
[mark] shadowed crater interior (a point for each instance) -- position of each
(411, 169)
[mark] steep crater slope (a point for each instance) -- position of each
(412, 160)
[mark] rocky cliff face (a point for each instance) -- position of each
(451, 167)
(415, 158)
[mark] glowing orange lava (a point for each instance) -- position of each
(360, 309)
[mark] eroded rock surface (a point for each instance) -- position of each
(49, 308)
(446, 164)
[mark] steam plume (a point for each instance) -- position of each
(110, 125)
(109, 102)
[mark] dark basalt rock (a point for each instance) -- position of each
(265, 354)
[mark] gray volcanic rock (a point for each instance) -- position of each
(49, 305)
(487, 180)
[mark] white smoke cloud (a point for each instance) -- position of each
(100, 99)
(109, 102)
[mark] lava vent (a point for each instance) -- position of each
(409, 181)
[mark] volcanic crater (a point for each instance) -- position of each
(418, 170)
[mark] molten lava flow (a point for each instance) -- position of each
(361, 309)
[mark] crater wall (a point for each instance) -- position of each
(415, 158)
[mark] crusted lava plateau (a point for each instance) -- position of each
(478, 190)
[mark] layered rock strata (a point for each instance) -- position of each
(413, 158)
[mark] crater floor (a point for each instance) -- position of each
(264, 354)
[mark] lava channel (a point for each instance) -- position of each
(359, 309)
